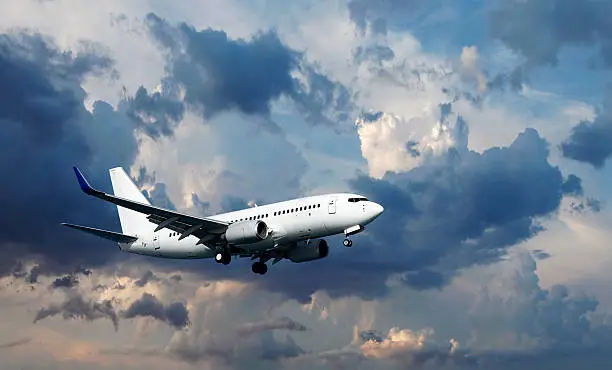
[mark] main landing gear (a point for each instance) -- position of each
(259, 268)
(223, 257)
(347, 242)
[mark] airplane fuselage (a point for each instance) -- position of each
(290, 222)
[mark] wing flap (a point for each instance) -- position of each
(109, 235)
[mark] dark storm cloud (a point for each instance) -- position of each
(220, 74)
(157, 113)
(459, 210)
(77, 307)
(174, 314)
(572, 185)
(591, 142)
(45, 131)
(223, 73)
(540, 29)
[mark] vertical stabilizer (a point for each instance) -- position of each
(132, 222)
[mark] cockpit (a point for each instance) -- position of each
(359, 199)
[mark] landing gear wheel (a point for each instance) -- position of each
(223, 257)
(347, 242)
(259, 268)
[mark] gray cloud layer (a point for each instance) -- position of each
(47, 130)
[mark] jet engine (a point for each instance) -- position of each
(246, 232)
(303, 252)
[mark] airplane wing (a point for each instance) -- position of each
(206, 229)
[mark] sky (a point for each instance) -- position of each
(483, 127)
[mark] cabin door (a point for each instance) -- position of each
(331, 205)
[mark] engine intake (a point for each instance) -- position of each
(246, 232)
(309, 252)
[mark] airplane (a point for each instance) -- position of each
(292, 229)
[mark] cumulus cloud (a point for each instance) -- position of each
(459, 210)
(391, 143)
(471, 69)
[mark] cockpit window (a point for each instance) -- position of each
(355, 200)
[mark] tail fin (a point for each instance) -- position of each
(132, 222)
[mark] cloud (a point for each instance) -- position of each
(157, 112)
(457, 210)
(273, 324)
(538, 29)
(470, 68)
(148, 276)
(68, 281)
(591, 141)
(391, 143)
(475, 205)
(16, 343)
(382, 15)
(47, 130)
(537, 318)
(218, 74)
(174, 314)
(77, 307)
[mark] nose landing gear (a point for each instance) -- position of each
(347, 242)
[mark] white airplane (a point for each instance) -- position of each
(292, 229)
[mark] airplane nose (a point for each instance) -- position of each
(378, 209)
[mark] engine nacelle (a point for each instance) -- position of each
(303, 252)
(246, 232)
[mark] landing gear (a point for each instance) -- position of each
(259, 268)
(223, 257)
(347, 242)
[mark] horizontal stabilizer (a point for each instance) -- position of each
(110, 235)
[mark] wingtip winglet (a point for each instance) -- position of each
(87, 189)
